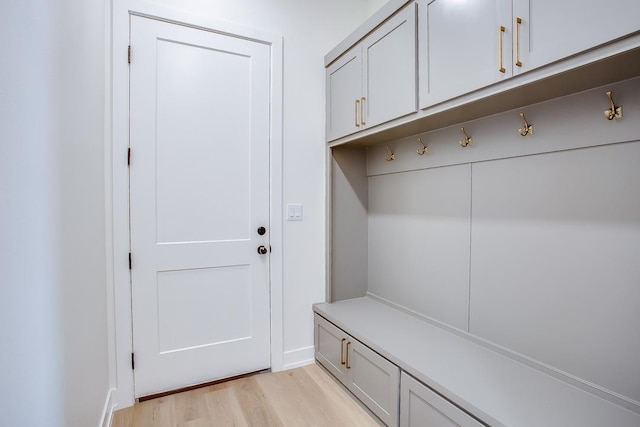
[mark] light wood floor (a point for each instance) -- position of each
(304, 396)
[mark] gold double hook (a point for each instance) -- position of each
(390, 155)
(467, 139)
(422, 150)
(614, 112)
(526, 129)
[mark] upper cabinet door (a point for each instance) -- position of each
(464, 45)
(551, 30)
(344, 93)
(375, 81)
(390, 69)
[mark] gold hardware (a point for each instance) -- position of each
(348, 344)
(389, 156)
(362, 111)
(467, 140)
(501, 30)
(423, 148)
(527, 129)
(614, 112)
(342, 362)
(518, 22)
(356, 113)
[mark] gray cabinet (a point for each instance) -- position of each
(370, 377)
(465, 47)
(344, 93)
(375, 81)
(330, 348)
(461, 47)
(537, 24)
(421, 407)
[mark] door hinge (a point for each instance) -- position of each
(128, 156)
(129, 260)
(129, 54)
(133, 361)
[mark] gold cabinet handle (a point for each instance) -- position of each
(517, 25)
(348, 344)
(356, 113)
(362, 111)
(501, 30)
(342, 362)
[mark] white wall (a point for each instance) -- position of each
(53, 317)
(310, 29)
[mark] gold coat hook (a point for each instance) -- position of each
(389, 156)
(527, 129)
(467, 140)
(614, 112)
(423, 148)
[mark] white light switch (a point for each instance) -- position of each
(294, 212)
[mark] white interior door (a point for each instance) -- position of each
(199, 176)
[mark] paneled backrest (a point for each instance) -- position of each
(529, 242)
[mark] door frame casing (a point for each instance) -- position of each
(117, 178)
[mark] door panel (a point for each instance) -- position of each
(374, 380)
(459, 47)
(179, 307)
(199, 190)
(581, 26)
(330, 342)
(423, 407)
(344, 87)
(194, 110)
(389, 56)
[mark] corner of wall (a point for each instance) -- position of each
(108, 410)
(298, 357)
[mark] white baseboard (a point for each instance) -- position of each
(298, 357)
(107, 411)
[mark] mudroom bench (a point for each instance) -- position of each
(411, 372)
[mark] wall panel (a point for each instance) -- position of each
(555, 261)
(419, 241)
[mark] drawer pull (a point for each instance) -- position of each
(362, 122)
(518, 22)
(348, 344)
(356, 113)
(501, 30)
(342, 362)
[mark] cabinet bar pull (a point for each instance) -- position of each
(518, 22)
(348, 344)
(362, 111)
(342, 362)
(356, 113)
(501, 30)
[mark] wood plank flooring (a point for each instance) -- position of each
(304, 396)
